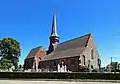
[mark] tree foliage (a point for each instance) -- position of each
(9, 51)
(5, 64)
(114, 66)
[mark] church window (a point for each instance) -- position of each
(99, 62)
(80, 61)
(83, 60)
(91, 66)
(92, 54)
(40, 58)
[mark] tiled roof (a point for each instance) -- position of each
(70, 48)
(33, 52)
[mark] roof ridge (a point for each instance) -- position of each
(36, 47)
(33, 50)
(75, 38)
(88, 39)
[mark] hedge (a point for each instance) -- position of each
(41, 75)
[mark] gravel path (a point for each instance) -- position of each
(49, 82)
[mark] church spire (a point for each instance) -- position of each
(54, 27)
(54, 38)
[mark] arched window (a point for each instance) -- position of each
(40, 58)
(83, 60)
(91, 66)
(99, 62)
(92, 54)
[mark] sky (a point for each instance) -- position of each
(30, 22)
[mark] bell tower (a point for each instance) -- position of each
(54, 38)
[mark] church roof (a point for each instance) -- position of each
(70, 48)
(33, 52)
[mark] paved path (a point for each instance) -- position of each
(49, 82)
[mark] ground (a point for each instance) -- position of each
(53, 82)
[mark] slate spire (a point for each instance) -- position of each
(54, 38)
(54, 27)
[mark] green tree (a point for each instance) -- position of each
(10, 50)
(113, 66)
(5, 64)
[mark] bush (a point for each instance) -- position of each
(36, 75)
(84, 69)
(95, 70)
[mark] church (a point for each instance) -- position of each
(75, 55)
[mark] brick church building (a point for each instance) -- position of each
(74, 55)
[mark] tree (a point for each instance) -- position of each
(5, 64)
(10, 50)
(113, 66)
